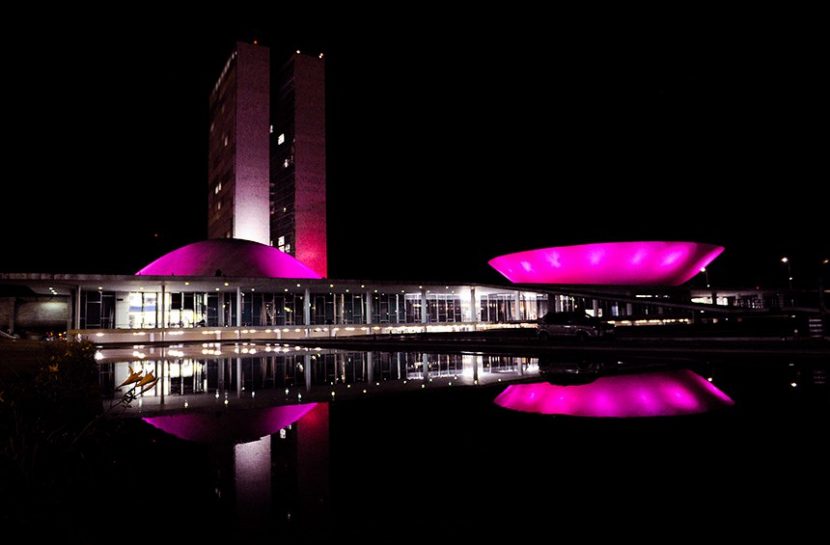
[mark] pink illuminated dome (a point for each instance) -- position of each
(663, 393)
(649, 263)
(228, 257)
(240, 426)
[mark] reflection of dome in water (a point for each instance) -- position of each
(663, 393)
(235, 426)
(648, 263)
(228, 257)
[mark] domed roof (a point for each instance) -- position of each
(647, 263)
(233, 426)
(228, 257)
(661, 393)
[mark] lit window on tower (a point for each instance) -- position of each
(280, 138)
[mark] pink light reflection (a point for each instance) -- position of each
(648, 263)
(663, 393)
(236, 426)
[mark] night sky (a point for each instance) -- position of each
(450, 140)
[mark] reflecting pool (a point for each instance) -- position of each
(305, 445)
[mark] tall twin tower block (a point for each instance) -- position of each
(267, 154)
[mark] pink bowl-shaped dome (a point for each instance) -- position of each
(663, 393)
(228, 257)
(650, 263)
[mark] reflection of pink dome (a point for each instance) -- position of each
(663, 393)
(232, 257)
(651, 263)
(238, 426)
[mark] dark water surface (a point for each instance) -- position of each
(636, 448)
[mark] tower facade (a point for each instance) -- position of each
(238, 147)
(298, 161)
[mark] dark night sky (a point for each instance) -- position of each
(451, 140)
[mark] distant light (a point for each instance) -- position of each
(793, 384)
(826, 261)
(256, 42)
(298, 285)
(332, 394)
(187, 283)
(420, 287)
(364, 390)
(286, 391)
(331, 285)
(226, 283)
(791, 278)
(298, 52)
(253, 289)
(186, 405)
(217, 289)
(423, 385)
(320, 56)
(99, 355)
(703, 269)
(709, 379)
(784, 260)
(363, 285)
(376, 291)
(100, 288)
(286, 289)
(226, 402)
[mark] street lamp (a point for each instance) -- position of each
(704, 271)
(786, 261)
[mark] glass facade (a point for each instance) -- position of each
(263, 308)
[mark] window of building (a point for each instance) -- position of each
(271, 130)
(280, 138)
(281, 241)
(219, 205)
(285, 163)
(287, 248)
(226, 140)
(217, 189)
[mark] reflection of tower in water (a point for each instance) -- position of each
(272, 464)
